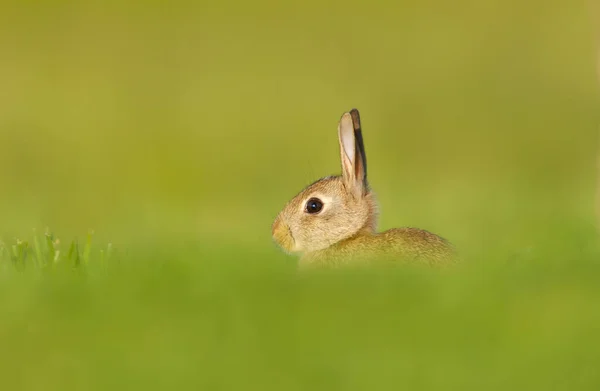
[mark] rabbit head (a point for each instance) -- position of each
(333, 208)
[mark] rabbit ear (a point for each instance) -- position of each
(352, 153)
(360, 146)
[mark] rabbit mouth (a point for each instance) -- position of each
(282, 234)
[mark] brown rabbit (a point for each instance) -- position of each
(334, 220)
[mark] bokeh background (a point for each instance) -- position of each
(162, 125)
(203, 119)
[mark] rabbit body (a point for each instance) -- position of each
(405, 244)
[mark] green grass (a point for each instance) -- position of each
(159, 142)
(194, 317)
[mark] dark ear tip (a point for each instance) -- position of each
(355, 119)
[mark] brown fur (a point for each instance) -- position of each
(346, 217)
(345, 230)
(396, 245)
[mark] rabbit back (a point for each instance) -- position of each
(404, 244)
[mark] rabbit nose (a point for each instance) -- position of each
(282, 235)
(276, 225)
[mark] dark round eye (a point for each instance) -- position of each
(314, 205)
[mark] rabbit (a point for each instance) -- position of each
(333, 221)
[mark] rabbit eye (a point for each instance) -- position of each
(314, 205)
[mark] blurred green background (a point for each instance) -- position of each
(177, 131)
(204, 119)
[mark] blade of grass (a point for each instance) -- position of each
(87, 248)
(51, 249)
(108, 252)
(72, 250)
(23, 250)
(74, 257)
(15, 253)
(3, 251)
(38, 259)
